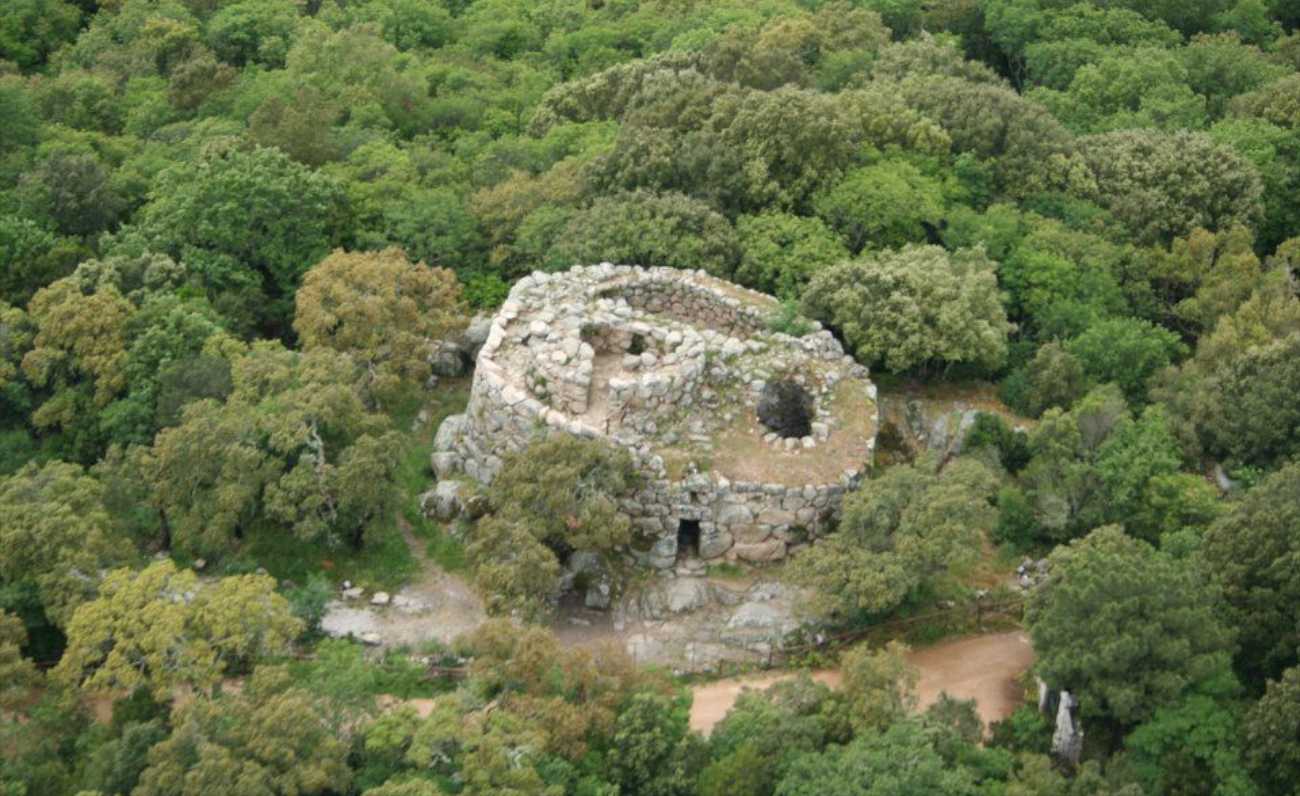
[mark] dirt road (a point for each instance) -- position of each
(983, 668)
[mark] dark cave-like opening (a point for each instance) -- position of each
(688, 538)
(787, 408)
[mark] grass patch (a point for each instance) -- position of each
(414, 477)
(446, 551)
(384, 562)
(346, 671)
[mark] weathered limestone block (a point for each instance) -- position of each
(770, 550)
(1067, 738)
(778, 517)
(450, 432)
(444, 463)
(443, 502)
(730, 514)
(714, 542)
(750, 534)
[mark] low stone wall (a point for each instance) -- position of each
(560, 375)
(694, 304)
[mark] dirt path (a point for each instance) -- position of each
(450, 606)
(983, 668)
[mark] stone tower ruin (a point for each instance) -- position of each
(749, 437)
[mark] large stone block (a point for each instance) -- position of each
(730, 514)
(714, 542)
(444, 463)
(761, 552)
(750, 534)
(450, 432)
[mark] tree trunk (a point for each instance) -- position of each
(165, 529)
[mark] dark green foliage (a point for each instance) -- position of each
(245, 221)
(899, 760)
(1126, 625)
(1017, 524)
(1271, 729)
(898, 533)
(28, 258)
(991, 430)
(308, 601)
(1253, 552)
(915, 306)
(886, 205)
(1125, 352)
(1192, 180)
(1025, 730)
(557, 496)
(1113, 184)
(1192, 743)
(116, 766)
(781, 252)
(1255, 418)
(651, 752)
(32, 29)
(644, 228)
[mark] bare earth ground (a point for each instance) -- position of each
(983, 668)
(742, 455)
(437, 605)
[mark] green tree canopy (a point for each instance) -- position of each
(246, 220)
(294, 446)
(381, 309)
(885, 205)
(781, 252)
(1186, 178)
(160, 629)
(1253, 551)
(18, 674)
(269, 737)
(1271, 732)
(557, 496)
(56, 534)
(1124, 627)
(896, 761)
(914, 306)
(644, 228)
(897, 533)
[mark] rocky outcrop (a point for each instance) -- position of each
(695, 624)
(1067, 738)
(444, 502)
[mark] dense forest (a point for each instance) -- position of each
(229, 230)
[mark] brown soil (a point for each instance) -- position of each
(983, 668)
(979, 395)
(741, 454)
(753, 299)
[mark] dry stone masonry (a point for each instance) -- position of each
(672, 365)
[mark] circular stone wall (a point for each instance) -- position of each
(672, 365)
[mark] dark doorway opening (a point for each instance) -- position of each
(688, 539)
